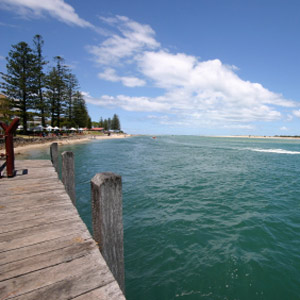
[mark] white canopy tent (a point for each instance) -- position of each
(49, 128)
(38, 128)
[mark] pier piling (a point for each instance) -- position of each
(54, 155)
(68, 174)
(107, 221)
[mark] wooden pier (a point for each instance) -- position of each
(46, 251)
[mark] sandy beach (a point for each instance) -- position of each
(81, 139)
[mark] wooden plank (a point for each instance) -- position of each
(63, 281)
(29, 174)
(26, 237)
(33, 163)
(34, 169)
(32, 182)
(47, 259)
(110, 291)
(19, 198)
(71, 287)
(50, 205)
(9, 203)
(28, 165)
(41, 220)
(44, 246)
(52, 179)
(46, 251)
(33, 189)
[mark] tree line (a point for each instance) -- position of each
(30, 91)
(109, 124)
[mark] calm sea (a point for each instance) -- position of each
(204, 218)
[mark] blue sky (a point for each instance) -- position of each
(173, 67)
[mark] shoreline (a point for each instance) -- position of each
(23, 149)
(19, 150)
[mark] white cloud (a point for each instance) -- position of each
(37, 8)
(210, 77)
(133, 39)
(110, 75)
(283, 128)
(132, 81)
(127, 103)
(248, 127)
(164, 117)
(296, 113)
(202, 93)
(6, 24)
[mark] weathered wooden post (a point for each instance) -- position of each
(68, 174)
(107, 222)
(54, 155)
(9, 145)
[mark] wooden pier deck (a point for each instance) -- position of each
(46, 251)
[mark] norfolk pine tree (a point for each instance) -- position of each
(105, 124)
(18, 82)
(80, 113)
(56, 87)
(101, 124)
(115, 123)
(71, 86)
(39, 78)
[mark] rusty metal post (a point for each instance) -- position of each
(9, 145)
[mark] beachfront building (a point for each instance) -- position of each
(99, 129)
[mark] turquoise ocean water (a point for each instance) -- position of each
(204, 218)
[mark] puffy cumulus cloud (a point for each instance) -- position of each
(209, 80)
(132, 39)
(209, 89)
(201, 93)
(143, 104)
(110, 75)
(37, 8)
(296, 113)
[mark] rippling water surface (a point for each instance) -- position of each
(204, 218)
